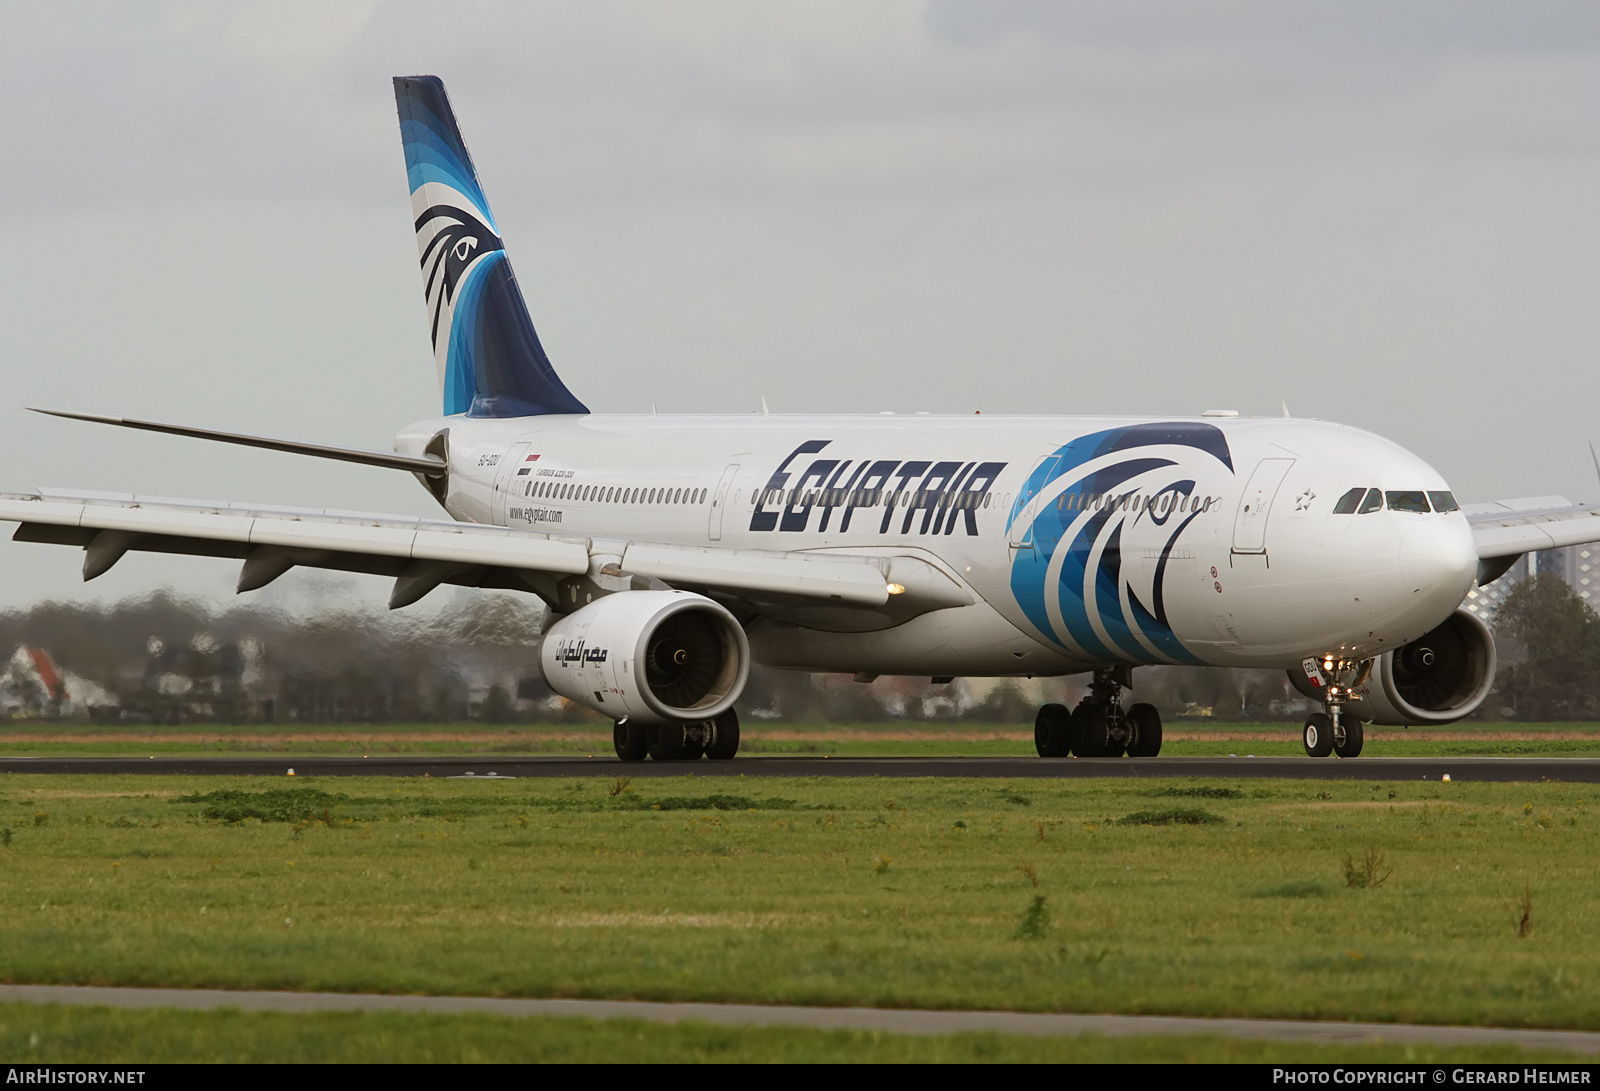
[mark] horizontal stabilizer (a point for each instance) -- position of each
(427, 465)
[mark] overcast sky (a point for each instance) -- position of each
(1381, 213)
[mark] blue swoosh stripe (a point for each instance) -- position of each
(1029, 570)
(434, 155)
(1202, 437)
(1127, 632)
(460, 379)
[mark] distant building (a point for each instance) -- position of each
(1579, 565)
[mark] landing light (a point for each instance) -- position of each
(895, 588)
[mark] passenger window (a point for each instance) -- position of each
(1373, 502)
(1407, 501)
(1443, 501)
(1347, 503)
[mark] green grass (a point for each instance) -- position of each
(37, 1034)
(898, 738)
(902, 892)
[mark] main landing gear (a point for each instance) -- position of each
(1099, 727)
(1337, 730)
(717, 739)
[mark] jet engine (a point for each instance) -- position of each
(648, 657)
(1438, 678)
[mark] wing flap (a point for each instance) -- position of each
(279, 538)
(856, 580)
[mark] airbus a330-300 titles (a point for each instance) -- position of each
(673, 551)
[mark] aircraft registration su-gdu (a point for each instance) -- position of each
(673, 550)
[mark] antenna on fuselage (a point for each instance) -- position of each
(765, 412)
(1285, 404)
(1596, 459)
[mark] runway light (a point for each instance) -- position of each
(1445, 778)
(895, 588)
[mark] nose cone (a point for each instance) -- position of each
(1438, 563)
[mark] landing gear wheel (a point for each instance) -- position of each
(1053, 732)
(666, 741)
(1091, 729)
(696, 737)
(630, 742)
(1349, 738)
(724, 736)
(1318, 736)
(1146, 724)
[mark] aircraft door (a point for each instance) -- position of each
(506, 480)
(1250, 524)
(719, 502)
(1022, 526)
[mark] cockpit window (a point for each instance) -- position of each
(1443, 501)
(1407, 501)
(1347, 503)
(1373, 502)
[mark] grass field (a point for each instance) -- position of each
(1416, 901)
(39, 739)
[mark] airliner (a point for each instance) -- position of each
(674, 551)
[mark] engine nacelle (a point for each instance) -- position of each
(648, 657)
(1438, 678)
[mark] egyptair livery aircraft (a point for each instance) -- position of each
(674, 550)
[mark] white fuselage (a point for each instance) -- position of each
(1085, 541)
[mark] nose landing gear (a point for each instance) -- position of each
(1099, 727)
(1336, 730)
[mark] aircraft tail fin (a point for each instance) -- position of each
(490, 361)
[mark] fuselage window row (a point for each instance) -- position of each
(612, 494)
(1160, 504)
(871, 498)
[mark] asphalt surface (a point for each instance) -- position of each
(896, 1020)
(1570, 770)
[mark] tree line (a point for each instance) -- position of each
(168, 659)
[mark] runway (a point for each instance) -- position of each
(894, 1020)
(1568, 770)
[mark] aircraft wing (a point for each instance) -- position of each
(1510, 528)
(420, 554)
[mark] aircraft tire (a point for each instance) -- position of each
(724, 737)
(630, 741)
(1354, 738)
(1318, 735)
(1052, 731)
(1091, 730)
(666, 741)
(1146, 723)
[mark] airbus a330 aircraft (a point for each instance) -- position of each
(674, 550)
